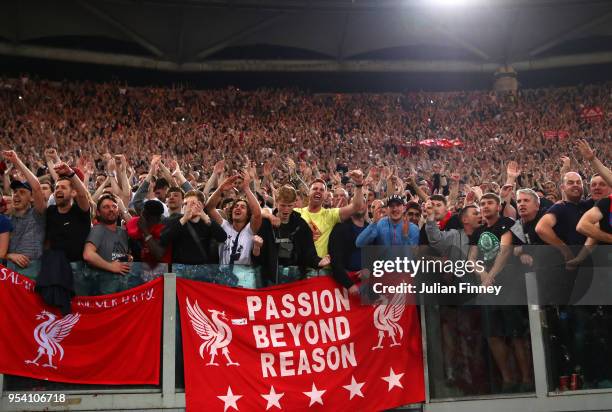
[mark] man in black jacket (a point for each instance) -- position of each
(190, 234)
(345, 255)
(285, 249)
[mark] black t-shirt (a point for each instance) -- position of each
(488, 239)
(530, 237)
(605, 224)
(284, 237)
(568, 215)
(68, 231)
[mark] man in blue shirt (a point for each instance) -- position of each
(392, 230)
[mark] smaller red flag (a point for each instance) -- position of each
(110, 339)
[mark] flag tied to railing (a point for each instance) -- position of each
(297, 347)
(109, 339)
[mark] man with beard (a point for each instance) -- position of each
(243, 222)
(344, 253)
(68, 221)
(26, 240)
(321, 220)
(106, 250)
(392, 230)
(288, 249)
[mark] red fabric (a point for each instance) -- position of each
(552, 134)
(442, 223)
(444, 143)
(592, 113)
(134, 233)
(253, 328)
(111, 339)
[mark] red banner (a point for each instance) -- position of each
(442, 143)
(562, 134)
(109, 339)
(553, 134)
(550, 134)
(592, 113)
(297, 347)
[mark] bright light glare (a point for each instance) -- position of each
(452, 3)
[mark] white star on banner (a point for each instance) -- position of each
(230, 399)
(393, 379)
(315, 395)
(354, 388)
(273, 398)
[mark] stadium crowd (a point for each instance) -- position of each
(101, 175)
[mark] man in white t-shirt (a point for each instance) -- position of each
(243, 221)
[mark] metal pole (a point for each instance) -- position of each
(168, 340)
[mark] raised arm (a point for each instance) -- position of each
(82, 195)
(51, 158)
(40, 204)
(140, 195)
(357, 202)
(588, 154)
(420, 193)
(215, 198)
(214, 177)
(122, 177)
(252, 201)
(179, 177)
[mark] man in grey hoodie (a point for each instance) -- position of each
(453, 243)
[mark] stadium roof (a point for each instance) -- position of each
(311, 35)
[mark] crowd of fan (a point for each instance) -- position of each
(99, 175)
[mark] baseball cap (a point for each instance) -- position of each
(396, 199)
(16, 184)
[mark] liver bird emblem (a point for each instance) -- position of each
(386, 318)
(215, 333)
(49, 333)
